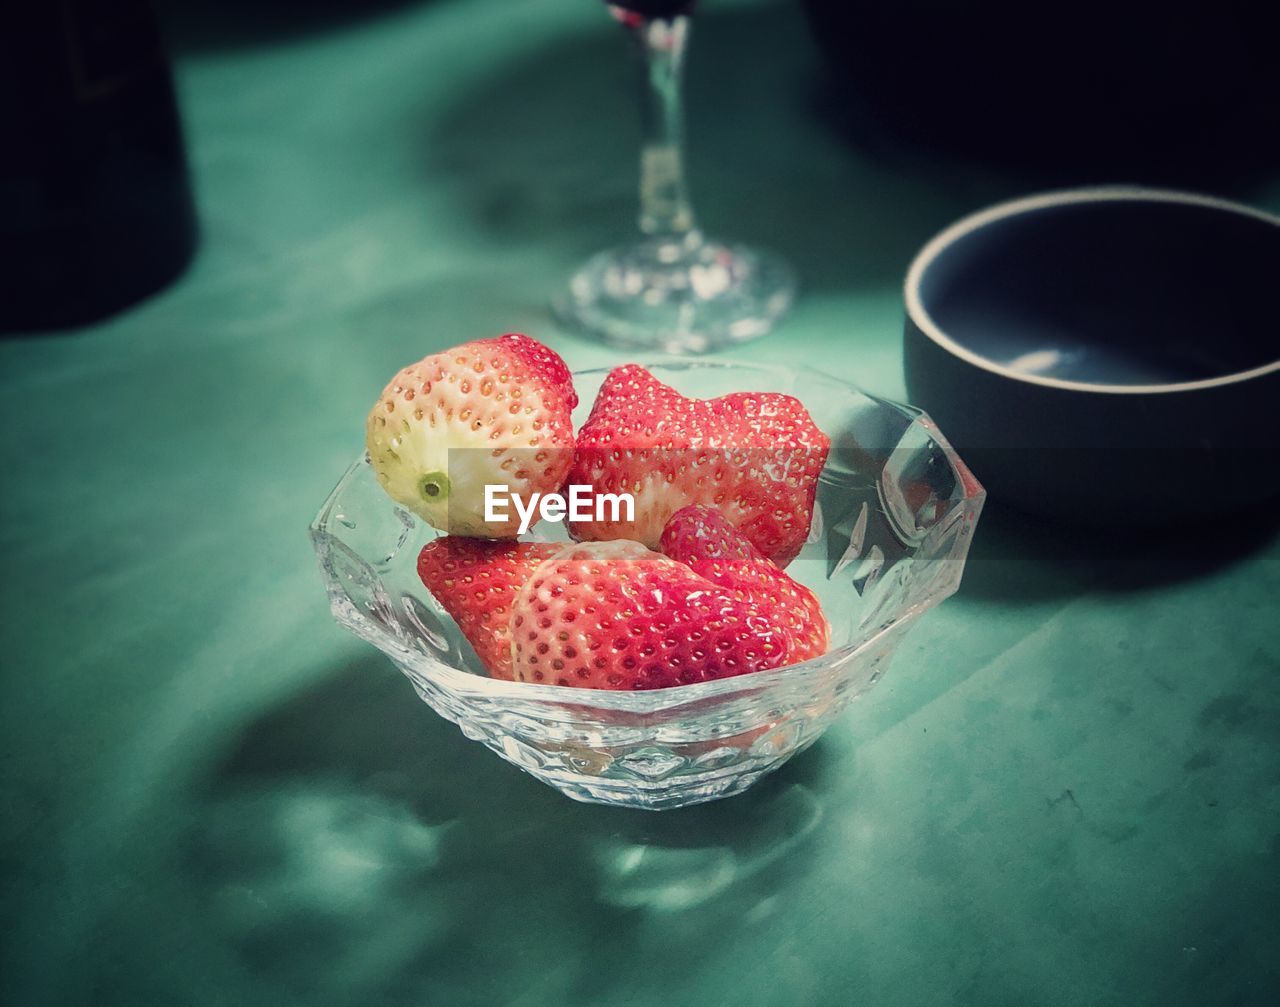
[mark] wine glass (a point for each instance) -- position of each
(674, 289)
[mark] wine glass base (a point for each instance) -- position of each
(678, 295)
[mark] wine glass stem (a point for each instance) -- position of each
(664, 200)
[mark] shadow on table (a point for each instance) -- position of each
(355, 846)
(1018, 556)
(544, 152)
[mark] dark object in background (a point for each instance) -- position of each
(1108, 356)
(95, 205)
(1170, 93)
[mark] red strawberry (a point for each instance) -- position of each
(493, 411)
(703, 539)
(755, 456)
(476, 581)
(614, 615)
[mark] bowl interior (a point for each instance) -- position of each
(1109, 290)
(895, 509)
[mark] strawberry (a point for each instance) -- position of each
(614, 615)
(704, 540)
(492, 411)
(476, 581)
(756, 456)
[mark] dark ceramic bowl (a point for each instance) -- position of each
(1105, 355)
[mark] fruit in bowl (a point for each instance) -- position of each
(489, 412)
(616, 615)
(725, 484)
(650, 712)
(705, 540)
(754, 456)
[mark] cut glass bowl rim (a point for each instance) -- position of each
(464, 683)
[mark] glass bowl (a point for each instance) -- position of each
(894, 515)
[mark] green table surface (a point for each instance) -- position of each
(1066, 790)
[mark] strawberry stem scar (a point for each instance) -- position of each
(434, 487)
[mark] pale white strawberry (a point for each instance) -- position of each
(489, 412)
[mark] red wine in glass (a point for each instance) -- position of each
(654, 8)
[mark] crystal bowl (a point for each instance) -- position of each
(892, 523)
